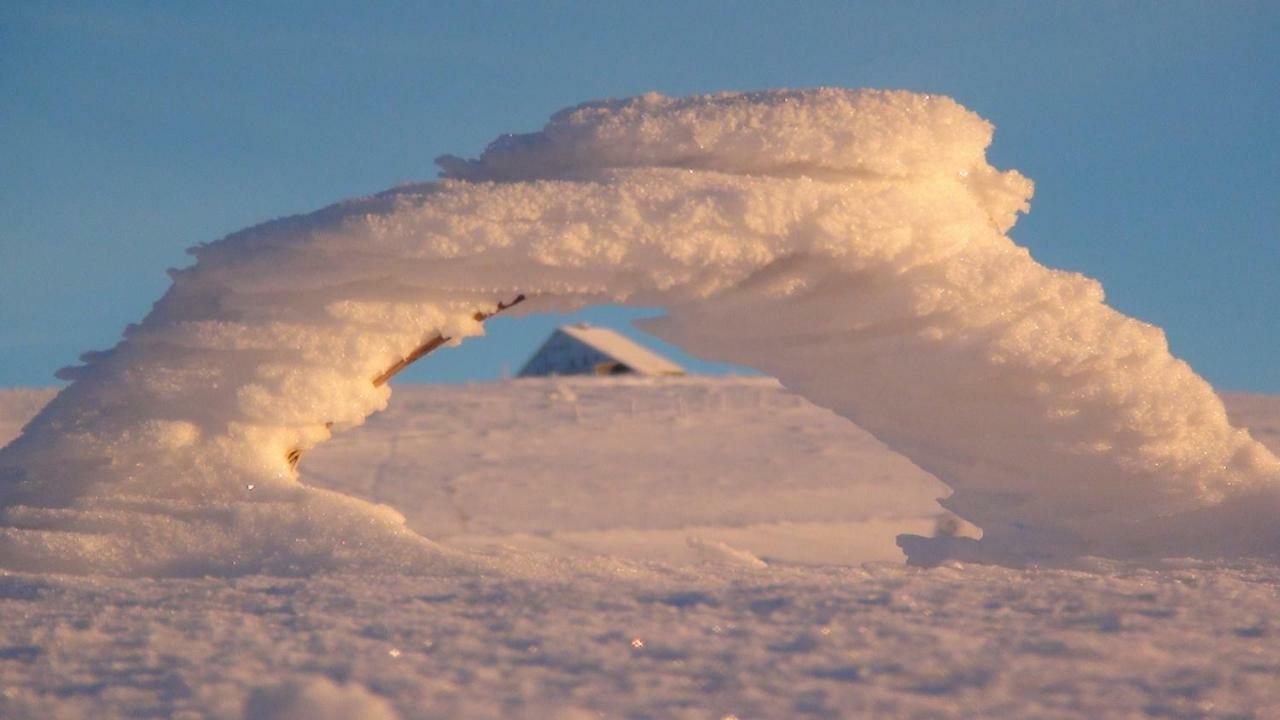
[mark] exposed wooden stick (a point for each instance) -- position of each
(295, 455)
(409, 359)
(436, 342)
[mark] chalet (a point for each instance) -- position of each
(585, 350)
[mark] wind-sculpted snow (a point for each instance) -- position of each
(850, 243)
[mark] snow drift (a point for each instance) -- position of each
(851, 243)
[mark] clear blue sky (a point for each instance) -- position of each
(130, 131)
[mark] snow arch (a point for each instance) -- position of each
(851, 243)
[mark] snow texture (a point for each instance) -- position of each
(851, 243)
(670, 470)
(575, 636)
(884, 641)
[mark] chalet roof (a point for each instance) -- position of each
(623, 349)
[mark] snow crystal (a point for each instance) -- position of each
(851, 243)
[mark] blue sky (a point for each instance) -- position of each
(131, 131)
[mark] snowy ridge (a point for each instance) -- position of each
(850, 243)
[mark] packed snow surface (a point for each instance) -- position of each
(692, 470)
(582, 624)
(850, 243)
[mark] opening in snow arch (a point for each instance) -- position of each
(850, 243)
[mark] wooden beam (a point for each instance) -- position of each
(295, 455)
(436, 342)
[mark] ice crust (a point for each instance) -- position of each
(851, 243)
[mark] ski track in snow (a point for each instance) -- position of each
(584, 636)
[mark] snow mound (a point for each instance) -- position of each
(850, 243)
(317, 699)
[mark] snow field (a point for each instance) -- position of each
(888, 641)
(558, 631)
(660, 469)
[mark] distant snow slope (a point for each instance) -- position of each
(629, 467)
(1259, 413)
(661, 469)
(632, 467)
(17, 406)
(637, 468)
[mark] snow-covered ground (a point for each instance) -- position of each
(701, 548)
(633, 468)
(851, 243)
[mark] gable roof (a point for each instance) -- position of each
(623, 349)
(600, 342)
